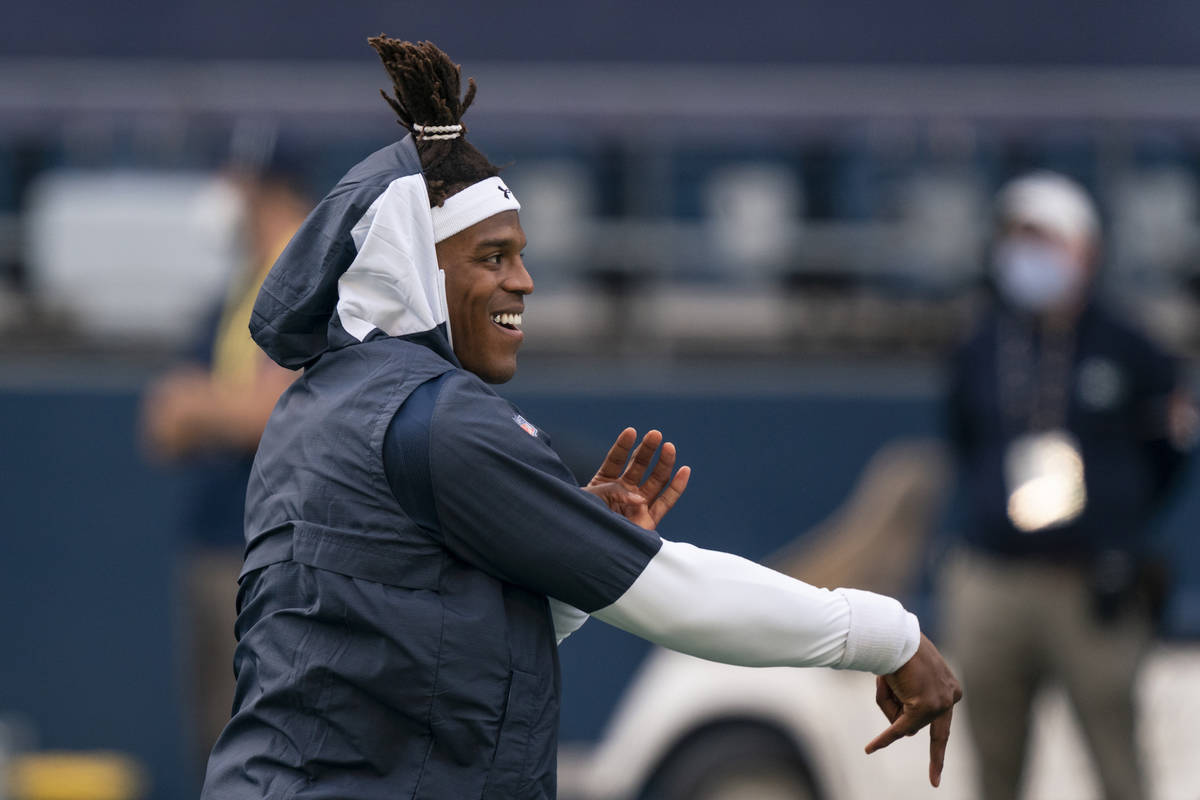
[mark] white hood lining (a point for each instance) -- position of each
(394, 283)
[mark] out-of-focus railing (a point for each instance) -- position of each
(773, 209)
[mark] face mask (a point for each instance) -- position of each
(1035, 276)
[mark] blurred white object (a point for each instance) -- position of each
(824, 718)
(557, 206)
(1154, 219)
(131, 254)
(1051, 202)
(942, 215)
(1044, 475)
(754, 212)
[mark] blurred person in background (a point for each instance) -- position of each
(1069, 426)
(209, 413)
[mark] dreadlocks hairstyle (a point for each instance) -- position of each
(425, 97)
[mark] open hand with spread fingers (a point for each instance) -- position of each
(922, 692)
(623, 484)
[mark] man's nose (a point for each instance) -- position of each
(518, 280)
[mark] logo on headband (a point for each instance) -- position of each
(507, 192)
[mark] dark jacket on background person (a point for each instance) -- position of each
(1117, 394)
(405, 530)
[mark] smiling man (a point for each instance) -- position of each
(415, 548)
(486, 296)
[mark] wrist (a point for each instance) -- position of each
(882, 635)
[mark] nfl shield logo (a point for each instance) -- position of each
(526, 425)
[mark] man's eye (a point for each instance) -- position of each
(495, 258)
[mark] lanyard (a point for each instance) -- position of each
(1034, 377)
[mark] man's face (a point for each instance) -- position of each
(1042, 271)
(1079, 252)
(486, 284)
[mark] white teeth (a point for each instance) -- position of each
(507, 319)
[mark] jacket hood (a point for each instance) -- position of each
(362, 265)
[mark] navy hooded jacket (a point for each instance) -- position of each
(406, 530)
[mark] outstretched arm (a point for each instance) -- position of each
(724, 608)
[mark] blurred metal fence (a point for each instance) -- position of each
(755, 208)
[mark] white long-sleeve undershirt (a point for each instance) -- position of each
(725, 608)
(567, 619)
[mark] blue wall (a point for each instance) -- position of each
(87, 557)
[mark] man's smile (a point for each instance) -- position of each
(510, 322)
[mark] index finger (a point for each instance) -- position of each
(618, 454)
(939, 737)
(903, 725)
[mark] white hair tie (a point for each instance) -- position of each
(426, 132)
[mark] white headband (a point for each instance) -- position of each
(473, 204)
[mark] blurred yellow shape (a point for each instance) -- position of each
(76, 776)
